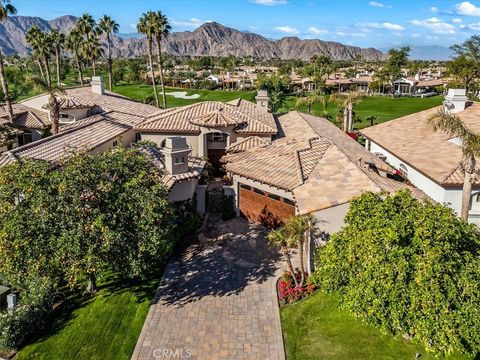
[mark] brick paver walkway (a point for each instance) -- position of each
(218, 301)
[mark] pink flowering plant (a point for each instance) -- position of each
(290, 293)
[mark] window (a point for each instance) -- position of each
(274, 197)
(180, 160)
(288, 202)
(259, 192)
(246, 187)
(24, 138)
(217, 137)
(138, 137)
(115, 143)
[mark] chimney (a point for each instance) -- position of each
(417, 76)
(98, 86)
(262, 100)
(176, 153)
(455, 101)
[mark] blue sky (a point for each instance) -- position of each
(379, 23)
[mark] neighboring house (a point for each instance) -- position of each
(29, 124)
(430, 160)
(313, 168)
(100, 120)
(211, 127)
(416, 85)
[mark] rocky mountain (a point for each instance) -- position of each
(209, 39)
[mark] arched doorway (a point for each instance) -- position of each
(217, 143)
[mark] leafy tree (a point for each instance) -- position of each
(464, 70)
(392, 70)
(346, 103)
(455, 127)
(409, 267)
(277, 87)
(310, 100)
(114, 213)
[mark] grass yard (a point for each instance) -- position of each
(316, 329)
(141, 91)
(383, 107)
(104, 327)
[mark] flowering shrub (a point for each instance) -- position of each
(289, 293)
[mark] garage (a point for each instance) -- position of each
(264, 207)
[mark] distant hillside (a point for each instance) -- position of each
(209, 39)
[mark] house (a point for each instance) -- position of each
(312, 167)
(29, 124)
(97, 120)
(211, 127)
(430, 160)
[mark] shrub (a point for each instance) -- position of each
(289, 293)
(407, 267)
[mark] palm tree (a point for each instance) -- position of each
(42, 45)
(6, 9)
(74, 43)
(92, 50)
(162, 29)
(311, 100)
(58, 41)
(146, 26)
(453, 126)
(280, 239)
(108, 26)
(346, 102)
(86, 25)
(53, 106)
(297, 229)
(32, 37)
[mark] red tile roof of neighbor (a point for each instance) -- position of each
(25, 117)
(414, 142)
(317, 162)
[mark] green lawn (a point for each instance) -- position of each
(316, 329)
(383, 107)
(104, 327)
(140, 92)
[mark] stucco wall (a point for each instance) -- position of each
(157, 138)
(331, 220)
(124, 139)
(182, 191)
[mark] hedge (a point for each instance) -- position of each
(409, 267)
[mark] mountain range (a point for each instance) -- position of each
(211, 39)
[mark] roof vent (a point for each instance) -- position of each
(98, 85)
(455, 101)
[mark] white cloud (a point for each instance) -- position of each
(343, 33)
(385, 25)
(434, 9)
(457, 21)
(317, 31)
(435, 24)
(467, 8)
(286, 29)
(415, 35)
(378, 4)
(475, 27)
(192, 22)
(270, 2)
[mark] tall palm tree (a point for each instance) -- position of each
(108, 26)
(146, 26)
(58, 42)
(53, 106)
(74, 43)
(42, 45)
(311, 100)
(86, 25)
(346, 102)
(453, 126)
(279, 238)
(6, 9)
(92, 50)
(162, 29)
(297, 228)
(32, 37)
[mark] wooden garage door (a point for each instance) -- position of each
(263, 207)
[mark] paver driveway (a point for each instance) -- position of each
(217, 301)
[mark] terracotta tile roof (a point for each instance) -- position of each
(322, 171)
(187, 119)
(72, 102)
(91, 133)
(25, 117)
(195, 166)
(247, 143)
(411, 139)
